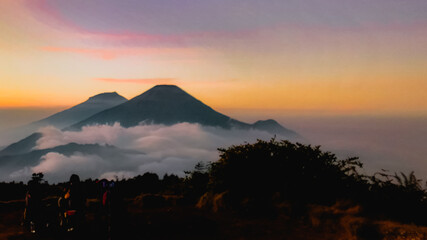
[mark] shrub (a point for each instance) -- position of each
(290, 171)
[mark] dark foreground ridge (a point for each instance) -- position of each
(266, 190)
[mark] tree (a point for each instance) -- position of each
(38, 178)
(264, 171)
(196, 181)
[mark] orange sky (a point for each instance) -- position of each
(54, 54)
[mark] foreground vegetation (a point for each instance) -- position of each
(281, 189)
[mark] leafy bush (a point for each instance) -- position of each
(258, 175)
(290, 171)
(397, 196)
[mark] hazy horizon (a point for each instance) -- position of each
(394, 143)
(11, 117)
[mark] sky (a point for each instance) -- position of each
(334, 56)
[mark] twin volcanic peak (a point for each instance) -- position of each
(168, 105)
(162, 104)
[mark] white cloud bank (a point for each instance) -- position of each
(157, 148)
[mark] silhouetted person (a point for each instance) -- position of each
(33, 205)
(75, 193)
(104, 194)
(72, 203)
(111, 206)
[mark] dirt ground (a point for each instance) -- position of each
(134, 221)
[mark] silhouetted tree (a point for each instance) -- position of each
(149, 183)
(196, 181)
(38, 178)
(172, 184)
(294, 172)
(256, 176)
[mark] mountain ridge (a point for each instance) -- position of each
(32, 157)
(22, 146)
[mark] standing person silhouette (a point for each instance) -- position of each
(72, 204)
(33, 206)
(75, 194)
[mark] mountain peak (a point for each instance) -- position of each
(107, 96)
(165, 88)
(273, 126)
(266, 122)
(164, 93)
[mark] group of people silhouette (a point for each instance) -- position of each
(69, 210)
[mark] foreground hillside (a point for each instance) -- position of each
(188, 222)
(266, 190)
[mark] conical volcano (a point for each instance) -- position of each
(162, 104)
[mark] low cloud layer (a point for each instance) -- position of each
(148, 148)
(395, 144)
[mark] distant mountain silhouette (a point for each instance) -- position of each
(62, 119)
(65, 118)
(169, 104)
(32, 158)
(82, 111)
(272, 126)
(162, 104)
(23, 146)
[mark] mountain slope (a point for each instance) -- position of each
(82, 111)
(162, 104)
(62, 119)
(22, 146)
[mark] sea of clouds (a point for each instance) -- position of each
(147, 148)
(395, 144)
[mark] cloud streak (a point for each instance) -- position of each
(114, 53)
(54, 17)
(150, 81)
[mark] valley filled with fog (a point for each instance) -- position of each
(391, 143)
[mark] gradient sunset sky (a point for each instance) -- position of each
(342, 56)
